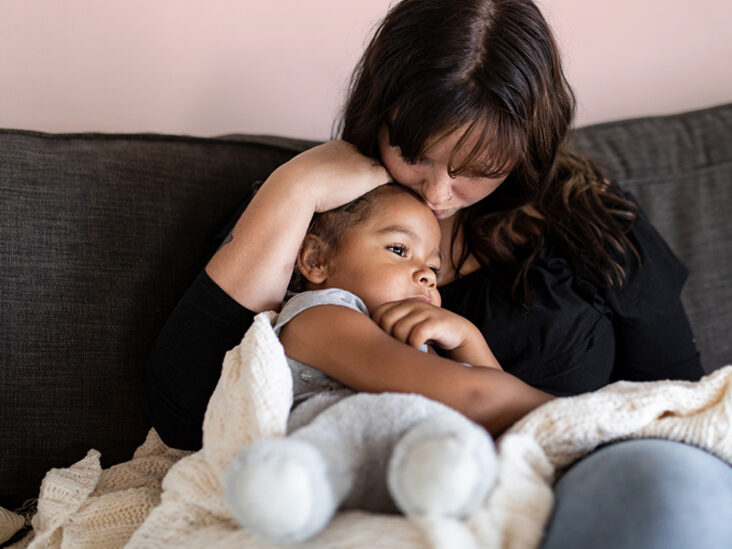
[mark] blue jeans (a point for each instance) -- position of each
(643, 494)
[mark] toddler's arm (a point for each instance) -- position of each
(352, 348)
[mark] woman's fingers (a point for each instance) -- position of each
(335, 173)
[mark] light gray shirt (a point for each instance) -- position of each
(306, 380)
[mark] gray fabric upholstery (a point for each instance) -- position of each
(101, 234)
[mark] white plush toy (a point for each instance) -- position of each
(383, 452)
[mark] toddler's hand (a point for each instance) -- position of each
(415, 323)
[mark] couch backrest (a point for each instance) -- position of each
(101, 234)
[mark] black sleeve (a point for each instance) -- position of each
(186, 360)
(653, 336)
(185, 364)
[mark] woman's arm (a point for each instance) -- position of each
(248, 274)
(185, 363)
(351, 348)
(255, 263)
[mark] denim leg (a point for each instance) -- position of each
(649, 494)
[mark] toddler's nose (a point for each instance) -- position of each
(426, 277)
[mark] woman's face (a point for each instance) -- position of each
(428, 177)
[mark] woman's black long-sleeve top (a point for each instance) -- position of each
(575, 338)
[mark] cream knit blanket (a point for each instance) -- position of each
(169, 498)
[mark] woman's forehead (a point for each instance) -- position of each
(483, 147)
(476, 147)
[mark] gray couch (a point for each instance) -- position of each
(101, 234)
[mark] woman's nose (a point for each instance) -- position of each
(437, 190)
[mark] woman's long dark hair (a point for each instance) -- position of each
(492, 69)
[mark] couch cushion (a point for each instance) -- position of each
(101, 234)
(680, 169)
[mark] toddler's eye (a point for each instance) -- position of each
(399, 249)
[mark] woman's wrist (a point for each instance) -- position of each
(293, 187)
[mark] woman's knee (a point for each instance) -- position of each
(643, 493)
(659, 471)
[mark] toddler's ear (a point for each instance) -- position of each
(312, 260)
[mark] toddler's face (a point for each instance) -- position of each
(393, 255)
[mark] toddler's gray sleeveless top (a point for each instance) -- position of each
(306, 380)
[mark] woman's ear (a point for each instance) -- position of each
(312, 260)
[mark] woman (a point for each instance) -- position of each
(467, 104)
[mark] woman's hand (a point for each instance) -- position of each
(332, 174)
(415, 323)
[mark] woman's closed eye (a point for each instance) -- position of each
(416, 161)
(413, 160)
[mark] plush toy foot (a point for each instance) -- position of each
(442, 468)
(279, 490)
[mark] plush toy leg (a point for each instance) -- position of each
(279, 490)
(443, 467)
(287, 489)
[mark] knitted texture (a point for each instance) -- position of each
(86, 506)
(126, 505)
(10, 523)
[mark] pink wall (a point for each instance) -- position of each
(281, 66)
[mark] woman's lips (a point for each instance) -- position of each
(442, 213)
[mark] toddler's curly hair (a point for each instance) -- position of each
(332, 226)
